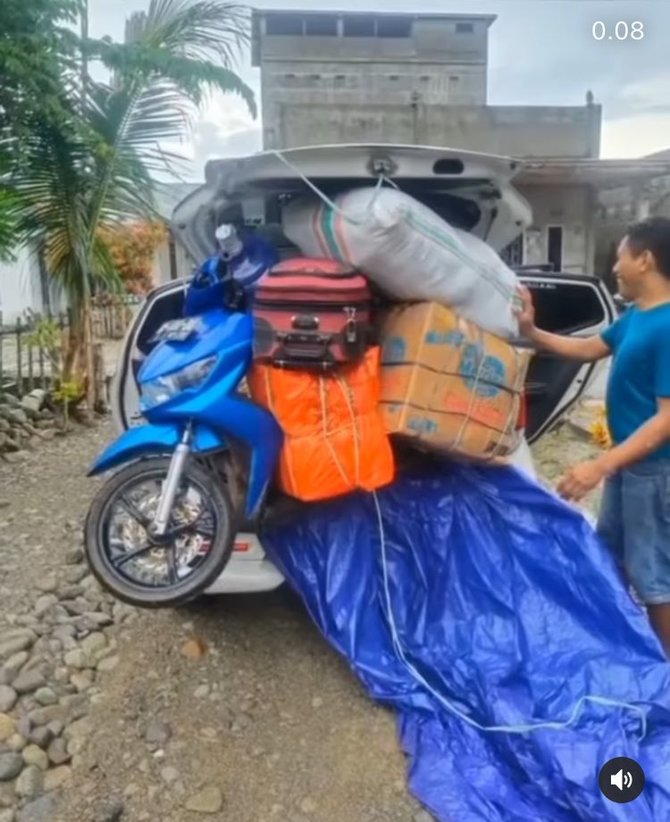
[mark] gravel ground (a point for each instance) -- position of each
(234, 708)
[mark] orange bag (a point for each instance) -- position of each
(335, 440)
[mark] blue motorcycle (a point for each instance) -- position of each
(162, 529)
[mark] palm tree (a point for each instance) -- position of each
(97, 168)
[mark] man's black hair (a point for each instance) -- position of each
(653, 235)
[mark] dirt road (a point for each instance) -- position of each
(234, 709)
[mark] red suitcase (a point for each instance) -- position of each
(311, 312)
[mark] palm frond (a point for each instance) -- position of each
(206, 30)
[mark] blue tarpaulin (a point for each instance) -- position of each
(508, 611)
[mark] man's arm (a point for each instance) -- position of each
(587, 349)
(645, 441)
(653, 435)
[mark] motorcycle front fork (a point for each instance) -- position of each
(171, 484)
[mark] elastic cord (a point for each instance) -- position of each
(508, 729)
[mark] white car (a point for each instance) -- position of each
(471, 191)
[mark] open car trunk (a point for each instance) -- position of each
(471, 191)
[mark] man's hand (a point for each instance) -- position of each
(526, 313)
(581, 479)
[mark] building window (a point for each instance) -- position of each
(320, 25)
(512, 254)
(359, 26)
(464, 28)
(555, 246)
(287, 25)
(394, 26)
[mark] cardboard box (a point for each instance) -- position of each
(448, 385)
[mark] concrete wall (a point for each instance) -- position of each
(430, 39)
(21, 289)
(572, 208)
(437, 65)
(526, 131)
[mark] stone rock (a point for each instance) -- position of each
(41, 736)
(16, 415)
(108, 664)
(30, 783)
(76, 659)
(8, 697)
(93, 644)
(7, 727)
(208, 800)
(43, 604)
(70, 591)
(23, 725)
(75, 573)
(58, 753)
(7, 795)
(43, 716)
(13, 665)
(56, 727)
(11, 765)
(76, 706)
(7, 815)
(28, 681)
(17, 642)
(48, 584)
(110, 811)
(82, 680)
(16, 743)
(75, 556)
(57, 778)
(46, 696)
(169, 775)
(79, 729)
(102, 620)
(34, 755)
(73, 607)
(34, 402)
(201, 691)
(157, 733)
(39, 810)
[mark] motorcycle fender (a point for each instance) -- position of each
(152, 439)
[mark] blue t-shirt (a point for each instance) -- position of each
(640, 375)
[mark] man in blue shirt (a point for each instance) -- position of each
(635, 514)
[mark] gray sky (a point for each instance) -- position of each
(542, 52)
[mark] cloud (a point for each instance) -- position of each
(210, 141)
(637, 136)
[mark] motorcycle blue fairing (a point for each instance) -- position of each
(152, 439)
(213, 408)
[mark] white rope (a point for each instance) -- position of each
(325, 198)
(507, 729)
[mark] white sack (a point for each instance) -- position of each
(409, 252)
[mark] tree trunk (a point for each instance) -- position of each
(99, 374)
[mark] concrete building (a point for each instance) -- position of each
(335, 77)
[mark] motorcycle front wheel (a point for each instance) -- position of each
(166, 571)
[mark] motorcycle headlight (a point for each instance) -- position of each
(164, 388)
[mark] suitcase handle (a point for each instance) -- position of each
(315, 350)
(305, 322)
